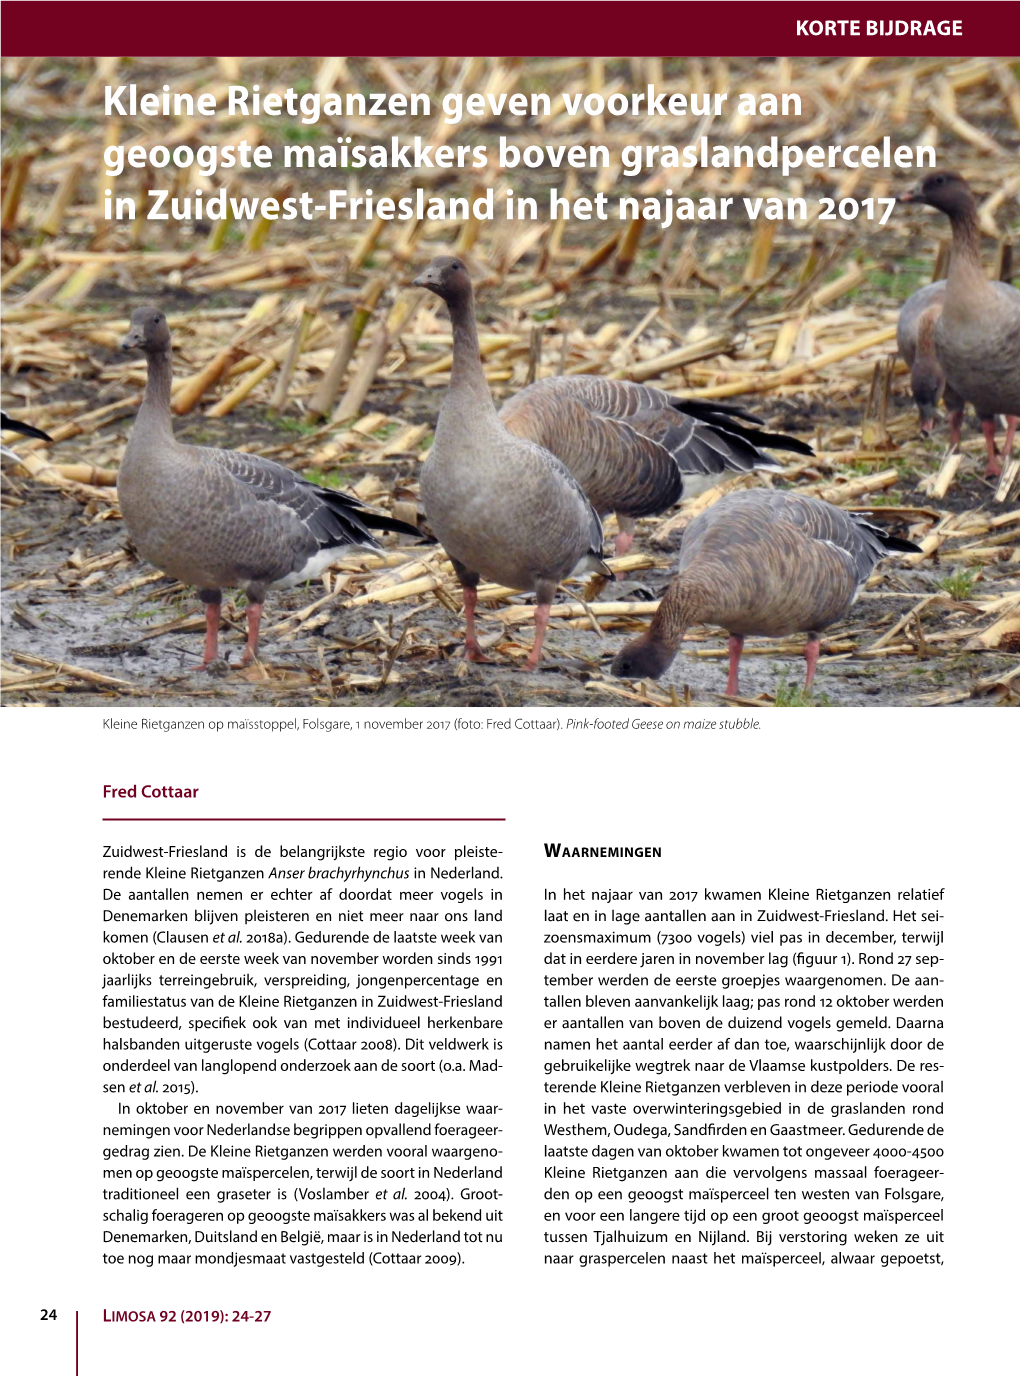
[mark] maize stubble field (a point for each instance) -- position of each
(304, 342)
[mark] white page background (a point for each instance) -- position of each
(854, 798)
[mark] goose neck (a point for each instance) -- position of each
(966, 238)
(467, 374)
(686, 603)
(155, 409)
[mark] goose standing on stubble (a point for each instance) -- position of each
(761, 563)
(977, 335)
(637, 450)
(219, 518)
(502, 507)
(915, 341)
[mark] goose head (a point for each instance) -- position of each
(149, 331)
(946, 191)
(645, 657)
(447, 278)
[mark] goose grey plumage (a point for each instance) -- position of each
(761, 563)
(503, 507)
(219, 518)
(977, 335)
(637, 450)
(915, 341)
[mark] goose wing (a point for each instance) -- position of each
(333, 518)
(595, 535)
(865, 542)
(631, 445)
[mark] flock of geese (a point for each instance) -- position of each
(517, 496)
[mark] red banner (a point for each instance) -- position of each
(641, 28)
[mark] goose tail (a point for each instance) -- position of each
(594, 563)
(727, 417)
(375, 520)
(364, 519)
(21, 427)
(897, 543)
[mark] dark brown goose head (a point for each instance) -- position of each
(927, 389)
(946, 191)
(926, 383)
(645, 657)
(149, 331)
(447, 278)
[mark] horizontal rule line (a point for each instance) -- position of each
(304, 819)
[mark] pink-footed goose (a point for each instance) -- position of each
(977, 336)
(761, 563)
(915, 340)
(218, 518)
(637, 450)
(502, 507)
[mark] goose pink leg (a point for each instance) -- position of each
(735, 645)
(472, 649)
(541, 622)
(955, 419)
(994, 462)
(625, 538)
(212, 635)
(811, 650)
(251, 649)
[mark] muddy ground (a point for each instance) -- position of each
(47, 612)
